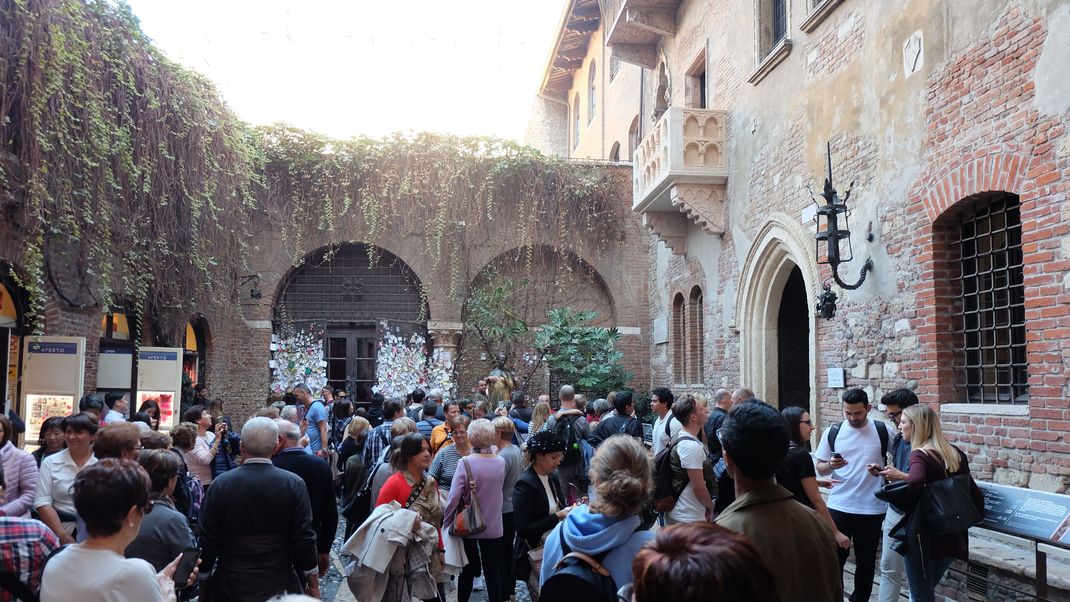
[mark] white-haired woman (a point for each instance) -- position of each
(483, 549)
(933, 458)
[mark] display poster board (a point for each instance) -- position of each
(1027, 513)
(159, 378)
(115, 368)
(53, 374)
(14, 349)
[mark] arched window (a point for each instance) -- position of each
(195, 356)
(614, 152)
(592, 92)
(115, 364)
(576, 121)
(983, 253)
(695, 336)
(633, 138)
(679, 340)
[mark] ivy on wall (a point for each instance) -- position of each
(125, 164)
(131, 169)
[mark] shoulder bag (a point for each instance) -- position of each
(468, 520)
(947, 505)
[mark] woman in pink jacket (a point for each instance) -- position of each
(20, 472)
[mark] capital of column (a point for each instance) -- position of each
(445, 336)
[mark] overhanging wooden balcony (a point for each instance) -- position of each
(636, 26)
(679, 175)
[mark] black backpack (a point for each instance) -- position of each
(568, 431)
(578, 576)
(665, 494)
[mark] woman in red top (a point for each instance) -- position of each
(933, 458)
(411, 487)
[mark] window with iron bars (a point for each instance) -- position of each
(990, 317)
(773, 24)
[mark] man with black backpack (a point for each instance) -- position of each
(690, 471)
(570, 424)
(621, 422)
(847, 450)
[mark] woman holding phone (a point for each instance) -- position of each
(112, 497)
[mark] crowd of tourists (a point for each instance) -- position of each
(720, 499)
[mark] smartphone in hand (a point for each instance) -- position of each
(186, 566)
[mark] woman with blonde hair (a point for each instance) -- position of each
(539, 415)
(932, 459)
(608, 527)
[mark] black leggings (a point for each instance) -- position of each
(488, 551)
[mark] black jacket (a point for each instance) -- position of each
(256, 533)
(317, 477)
(531, 515)
(615, 425)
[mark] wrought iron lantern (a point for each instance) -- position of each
(833, 241)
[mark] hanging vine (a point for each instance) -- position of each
(132, 180)
(123, 160)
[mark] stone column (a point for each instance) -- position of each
(445, 336)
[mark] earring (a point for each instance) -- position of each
(131, 525)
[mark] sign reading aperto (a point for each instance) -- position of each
(54, 348)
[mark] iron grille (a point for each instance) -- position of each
(991, 314)
(349, 287)
(976, 581)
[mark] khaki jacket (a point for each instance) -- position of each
(784, 532)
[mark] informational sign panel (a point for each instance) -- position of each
(53, 373)
(1027, 513)
(159, 379)
(115, 368)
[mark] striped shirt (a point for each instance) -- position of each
(444, 465)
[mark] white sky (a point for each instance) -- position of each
(351, 67)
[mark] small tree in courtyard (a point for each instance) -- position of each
(579, 354)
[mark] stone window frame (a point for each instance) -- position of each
(819, 11)
(592, 92)
(576, 122)
(769, 52)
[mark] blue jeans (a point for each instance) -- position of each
(923, 587)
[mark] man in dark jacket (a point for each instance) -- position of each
(317, 476)
(621, 422)
(256, 526)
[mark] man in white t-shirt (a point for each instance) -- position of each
(661, 400)
(858, 514)
(691, 468)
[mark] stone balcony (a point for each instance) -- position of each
(634, 28)
(679, 175)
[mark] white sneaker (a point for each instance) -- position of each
(479, 584)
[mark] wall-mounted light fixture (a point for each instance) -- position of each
(254, 292)
(833, 241)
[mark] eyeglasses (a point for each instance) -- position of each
(894, 415)
(809, 422)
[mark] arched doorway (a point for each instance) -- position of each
(775, 315)
(793, 338)
(14, 324)
(350, 294)
(195, 349)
